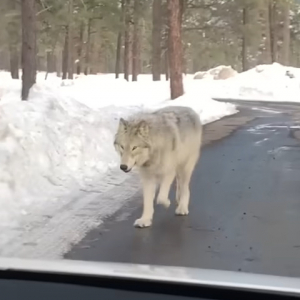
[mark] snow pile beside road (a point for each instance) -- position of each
(198, 98)
(147, 95)
(61, 140)
(220, 72)
(50, 146)
(264, 82)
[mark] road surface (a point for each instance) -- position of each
(245, 204)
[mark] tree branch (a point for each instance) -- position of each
(82, 1)
(43, 10)
(194, 28)
(199, 6)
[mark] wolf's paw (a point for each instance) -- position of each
(165, 202)
(142, 223)
(182, 211)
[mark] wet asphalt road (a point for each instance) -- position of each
(244, 213)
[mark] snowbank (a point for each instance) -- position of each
(220, 72)
(61, 140)
(49, 146)
(264, 83)
(147, 95)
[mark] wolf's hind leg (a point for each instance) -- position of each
(177, 190)
(184, 177)
(163, 195)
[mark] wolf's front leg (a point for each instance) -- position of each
(149, 187)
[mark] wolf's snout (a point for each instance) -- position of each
(124, 168)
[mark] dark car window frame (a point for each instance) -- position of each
(143, 286)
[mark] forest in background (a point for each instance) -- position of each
(145, 36)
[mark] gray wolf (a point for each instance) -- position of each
(162, 145)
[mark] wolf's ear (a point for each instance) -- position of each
(123, 124)
(143, 129)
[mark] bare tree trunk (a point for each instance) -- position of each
(184, 60)
(267, 30)
(142, 34)
(88, 48)
(58, 63)
(292, 60)
(51, 59)
(93, 62)
(14, 62)
(2, 59)
(48, 67)
(65, 55)
(166, 64)
(127, 43)
(297, 54)
(165, 39)
(102, 60)
(120, 41)
(245, 43)
(80, 47)
(28, 46)
(273, 29)
(53, 62)
(70, 42)
(12, 32)
(118, 55)
(175, 10)
(136, 40)
(286, 34)
(156, 39)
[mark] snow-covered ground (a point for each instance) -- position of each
(264, 83)
(61, 141)
(58, 146)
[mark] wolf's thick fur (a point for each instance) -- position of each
(163, 145)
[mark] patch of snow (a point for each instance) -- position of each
(61, 140)
(219, 72)
(263, 83)
(261, 141)
(265, 109)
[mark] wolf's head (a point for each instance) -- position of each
(132, 143)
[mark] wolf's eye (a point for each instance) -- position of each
(134, 148)
(121, 147)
